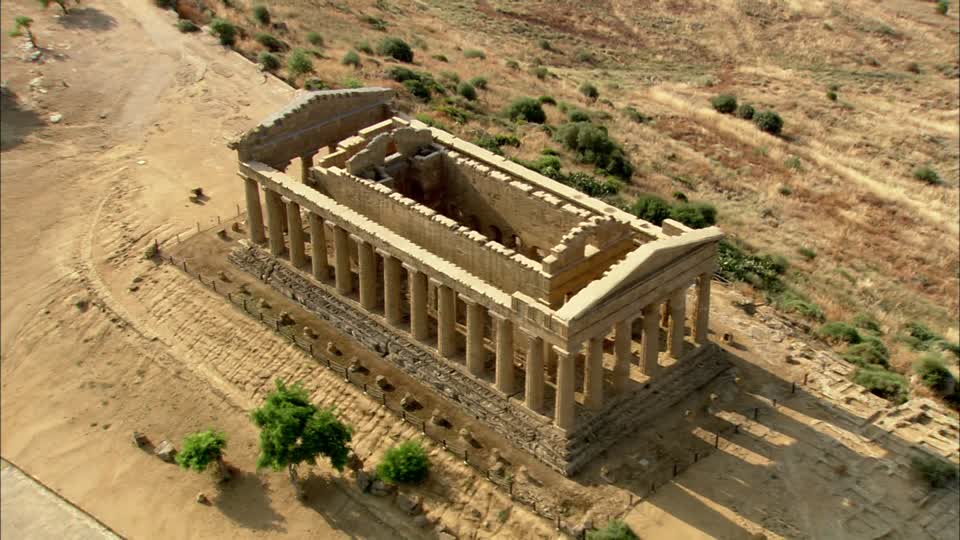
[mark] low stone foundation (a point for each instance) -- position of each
(530, 432)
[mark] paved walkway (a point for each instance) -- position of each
(28, 510)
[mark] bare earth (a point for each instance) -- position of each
(97, 342)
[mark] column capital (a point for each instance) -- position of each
(572, 350)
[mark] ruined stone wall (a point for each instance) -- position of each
(490, 261)
(533, 433)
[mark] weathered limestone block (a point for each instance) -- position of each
(166, 451)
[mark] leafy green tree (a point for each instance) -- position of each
(769, 121)
(650, 208)
(293, 431)
(406, 463)
(528, 109)
(203, 448)
(21, 27)
(299, 63)
(396, 48)
(61, 3)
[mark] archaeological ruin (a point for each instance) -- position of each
(560, 321)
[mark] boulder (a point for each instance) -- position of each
(422, 521)
(139, 439)
(286, 318)
(333, 349)
(410, 403)
(466, 436)
(364, 480)
(381, 488)
(411, 504)
(438, 419)
(202, 499)
(166, 451)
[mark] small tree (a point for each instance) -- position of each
(21, 27)
(351, 59)
(203, 448)
(769, 122)
(225, 30)
(61, 3)
(590, 91)
(261, 14)
(406, 463)
(294, 431)
(395, 48)
(467, 90)
(650, 208)
(724, 103)
(934, 373)
(528, 109)
(299, 63)
(615, 530)
(268, 61)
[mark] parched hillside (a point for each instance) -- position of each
(850, 214)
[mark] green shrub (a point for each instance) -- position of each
(352, 82)
(831, 95)
(635, 115)
(807, 253)
(224, 30)
(474, 53)
(769, 122)
(576, 115)
(936, 471)
(406, 463)
(724, 103)
(865, 321)
(440, 57)
(696, 215)
(479, 82)
(790, 301)
(187, 26)
(746, 111)
(761, 271)
(493, 143)
(351, 59)
(585, 56)
(921, 338)
(591, 186)
(401, 73)
(928, 175)
(270, 42)
(870, 351)
(268, 61)
(544, 44)
(314, 84)
(547, 100)
(432, 122)
(615, 530)
(837, 332)
(650, 208)
(315, 39)
(793, 162)
(467, 90)
(375, 22)
(364, 47)
(589, 90)
(943, 6)
(395, 48)
(527, 109)
(261, 14)
(540, 72)
(512, 64)
(593, 145)
(548, 166)
(449, 76)
(934, 373)
(417, 88)
(299, 63)
(883, 383)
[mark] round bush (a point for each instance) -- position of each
(576, 115)
(695, 215)
(839, 332)
(934, 373)
(261, 14)
(724, 103)
(417, 88)
(831, 95)
(746, 111)
(769, 122)
(395, 48)
(270, 42)
(225, 30)
(351, 59)
(547, 100)
(467, 90)
(650, 208)
(186, 26)
(315, 39)
(527, 109)
(883, 383)
(928, 175)
(299, 63)
(589, 90)
(268, 61)
(479, 82)
(406, 463)
(870, 351)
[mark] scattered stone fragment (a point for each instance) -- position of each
(309, 333)
(355, 365)
(222, 234)
(56, 118)
(235, 227)
(437, 419)
(263, 304)
(286, 318)
(139, 439)
(381, 488)
(364, 481)
(466, 436)
(166, 451)
(202, 499)
(411, 504)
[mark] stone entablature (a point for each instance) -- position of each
(435, 236)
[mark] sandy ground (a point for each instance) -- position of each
(29, 510)
(146, 114)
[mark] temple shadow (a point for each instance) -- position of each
(340, 511)
(87, 18)
(16, 122)
(245, 500)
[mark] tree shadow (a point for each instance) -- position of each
(87, 18)
(326, 496)
(245, 500)
(16, 122)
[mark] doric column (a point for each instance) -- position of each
(533, 391)
(702, 325)
(254, 212)
(678, 307)
(446, 319)
(650, 344)
(367, 263)
(275, 221)
(391, 289)
(564, 412)
(550, 359)
(622, 353)
(504, 374)
(593, 374)
(318, 247)
(295, 226)
(341, 253)
(418, 304)
(476, 321)
(306, 161)
(665, 314)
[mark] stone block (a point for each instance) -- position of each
(411, 504)
(166, 451)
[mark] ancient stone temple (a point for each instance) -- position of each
(559, 320)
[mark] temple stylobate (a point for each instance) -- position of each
(559, 320)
